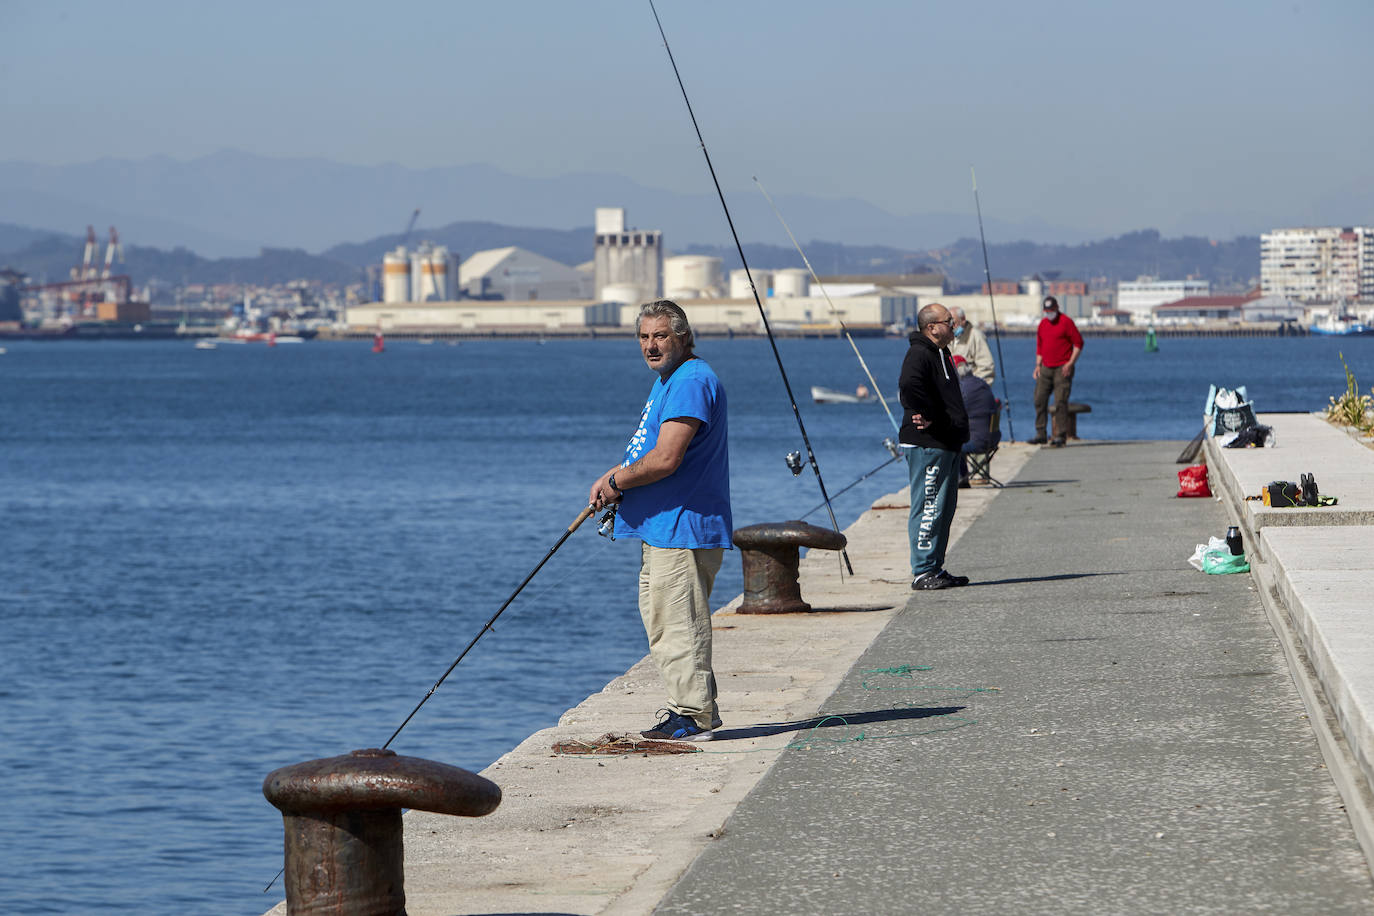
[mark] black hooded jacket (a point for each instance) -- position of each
(929, 386)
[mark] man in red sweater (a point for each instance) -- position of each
(1057, 345)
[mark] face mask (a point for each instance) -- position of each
(959, 331)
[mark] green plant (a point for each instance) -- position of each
(1351, 408)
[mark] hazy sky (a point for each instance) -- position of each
(1211, 117)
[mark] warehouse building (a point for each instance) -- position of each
(515, 274)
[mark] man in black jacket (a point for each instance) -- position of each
(936, 427)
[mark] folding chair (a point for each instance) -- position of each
(980, 463)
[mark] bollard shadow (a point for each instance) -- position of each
(1024, 484)
(836, 720)
(848, 608)
(1055, 578)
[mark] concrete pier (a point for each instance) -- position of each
(1092, 726)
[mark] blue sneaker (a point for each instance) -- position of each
(680, 728)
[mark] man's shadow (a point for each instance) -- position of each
(1060, 577)
(836, 720)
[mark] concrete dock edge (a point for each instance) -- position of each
(1313, 568)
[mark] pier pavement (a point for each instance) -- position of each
(1092, 726)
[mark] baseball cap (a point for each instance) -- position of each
(1050, 303)
(956, 359)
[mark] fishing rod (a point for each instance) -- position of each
(586, 513)
(833, 311)
(577, 522)
(996, 332)
(810, 454)
(896, 454)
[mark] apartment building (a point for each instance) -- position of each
(1323, 264)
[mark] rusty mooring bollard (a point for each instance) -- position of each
(771, 554)
(342, 815)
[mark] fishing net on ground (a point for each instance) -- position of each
(611, 744)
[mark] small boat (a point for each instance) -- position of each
(271, 338)
(206, 345)
(831, 396)
(1342, 325)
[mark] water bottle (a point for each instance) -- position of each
(1234, 542)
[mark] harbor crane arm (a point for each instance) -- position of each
(410, 227)
(111, 250)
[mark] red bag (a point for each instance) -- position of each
(1192, 481)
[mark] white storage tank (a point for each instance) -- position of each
(627, 293)
(691, 276)
(791, 281)
(396, 276)
(739, 283)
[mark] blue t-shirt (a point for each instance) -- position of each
(691, 506)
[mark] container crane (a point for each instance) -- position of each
(111, 250)
(87, 270)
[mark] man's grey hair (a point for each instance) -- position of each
(957, 311)
(963, 367)
(676, 316)
(929, 315)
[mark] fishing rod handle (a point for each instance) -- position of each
(577, 522)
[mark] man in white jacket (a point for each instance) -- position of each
(972, 345)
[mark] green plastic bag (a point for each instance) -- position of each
(1222, 562)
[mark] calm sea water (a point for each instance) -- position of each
(217, 563)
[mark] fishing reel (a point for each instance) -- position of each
(892, 448)
(794, 463)
(606, 527)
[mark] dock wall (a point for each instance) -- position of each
(1314, 569)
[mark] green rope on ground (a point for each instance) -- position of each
(899, 671)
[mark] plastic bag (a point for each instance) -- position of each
(1192, 481)
(1201, 550)
(1228, 410)
(1215, 558)
(1220, 564)
(1233, 419)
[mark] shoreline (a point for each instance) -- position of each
(706, 332)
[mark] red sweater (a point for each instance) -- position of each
(1054, 341)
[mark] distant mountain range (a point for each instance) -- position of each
(234, 216)
(231, 204)
(48, 256)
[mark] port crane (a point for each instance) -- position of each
(111, 250)
(410, 227)
(90, 284)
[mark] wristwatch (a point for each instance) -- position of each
(613, 486)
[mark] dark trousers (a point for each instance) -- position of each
(1052, 378)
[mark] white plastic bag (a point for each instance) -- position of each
(1214, 543)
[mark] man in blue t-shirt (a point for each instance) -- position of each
(673, 490)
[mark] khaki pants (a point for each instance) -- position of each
(675, 603)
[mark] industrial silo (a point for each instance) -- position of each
(396, 276)
(739, 283)
(431, 265)
(627, 293)
(691, 276)
(791, 281)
